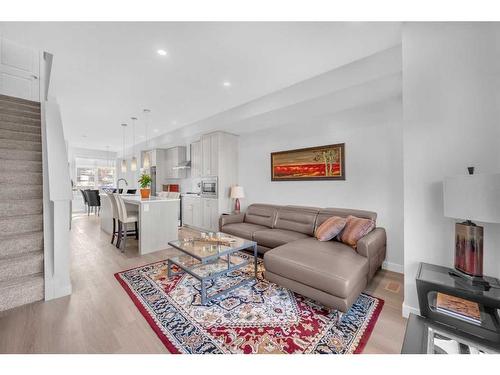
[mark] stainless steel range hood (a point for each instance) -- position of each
(183, 165)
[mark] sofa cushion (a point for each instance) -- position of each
(355, 228)
(297, 219)
(276, 237)
(330, 228)
(244, 230)
(261, 214)
(328, 266)
(343, 212)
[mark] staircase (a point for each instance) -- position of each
(21, 203)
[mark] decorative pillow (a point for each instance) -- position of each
(355, 228)
(330, 228)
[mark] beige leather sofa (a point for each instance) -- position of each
(331, 272)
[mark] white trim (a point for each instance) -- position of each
(394, 267)
(409, 309)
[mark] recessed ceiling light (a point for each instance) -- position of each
(162, 52)
(226, 84)
(156, 130)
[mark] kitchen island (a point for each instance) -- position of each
(157, 220)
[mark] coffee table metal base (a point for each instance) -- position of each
(230, 268)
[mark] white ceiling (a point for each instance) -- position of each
(104, 73)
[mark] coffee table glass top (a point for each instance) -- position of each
(203, 249)
(203, 270)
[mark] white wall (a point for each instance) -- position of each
(451, 105)
(374, 175)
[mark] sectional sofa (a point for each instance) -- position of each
(329, 272)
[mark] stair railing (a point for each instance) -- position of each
(57, 193)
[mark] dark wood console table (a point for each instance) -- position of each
(435, 330)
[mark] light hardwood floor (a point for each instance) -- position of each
(99, 317)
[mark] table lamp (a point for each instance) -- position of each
(237, 193)
(471, 197)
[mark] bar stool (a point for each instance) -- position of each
(123, 220)
(116, 223)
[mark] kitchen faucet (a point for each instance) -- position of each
(118, 184)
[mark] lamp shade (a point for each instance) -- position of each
(237, 192)
(473, 197)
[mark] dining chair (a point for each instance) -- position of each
(85, 200)
(94, 201)
(124, 219)
(173, 195)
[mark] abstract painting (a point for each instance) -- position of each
(313, 163)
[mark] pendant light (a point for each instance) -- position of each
(146, 161)
(133, 163)
(124, 162)
(107, 156)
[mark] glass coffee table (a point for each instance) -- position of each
(208, 259)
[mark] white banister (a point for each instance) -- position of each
(57, 192)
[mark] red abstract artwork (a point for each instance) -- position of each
(314, 163)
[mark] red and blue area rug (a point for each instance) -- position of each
(260, 317)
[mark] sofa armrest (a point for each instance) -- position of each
(373, 246)
(230, 219)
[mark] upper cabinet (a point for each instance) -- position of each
(206, 167)
(196, 159)
(210, 150)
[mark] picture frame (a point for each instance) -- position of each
(309, 164)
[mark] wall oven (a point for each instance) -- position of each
(209, 187)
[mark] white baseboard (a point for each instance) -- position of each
(394, 267)
(409, 309)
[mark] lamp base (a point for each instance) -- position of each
(237, 206)
(469, 250)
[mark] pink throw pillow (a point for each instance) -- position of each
(354, 229)
(330, 228)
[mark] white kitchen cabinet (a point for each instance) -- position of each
(206, 155)
(197, 214)
(219, 154)
(214, 154)
(191, 211)
(187, 212)
(196, 159)
(210, 214)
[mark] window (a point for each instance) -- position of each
(105, 177)
(94, 174)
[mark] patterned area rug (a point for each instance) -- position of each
(260, 317)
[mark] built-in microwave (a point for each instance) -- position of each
(209, 187)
